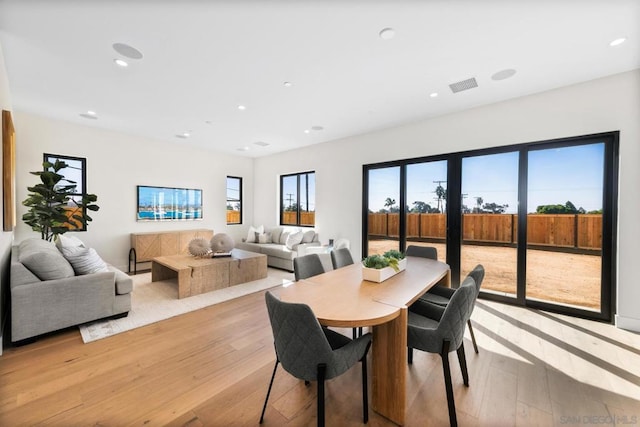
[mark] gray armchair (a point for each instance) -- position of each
(313, 353)
(435, 331)
(441, 295)
(307, 266)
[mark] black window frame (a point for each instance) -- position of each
(239, 201)
(51, 158)
(298, 175)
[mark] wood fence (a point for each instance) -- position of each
(581, 231)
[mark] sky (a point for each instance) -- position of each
(555, 176)
(290, 193)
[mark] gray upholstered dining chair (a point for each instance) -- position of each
(435, 329)
(422, 251)
(312, 353)
(441, 295)
(341, 258)
(307, 266)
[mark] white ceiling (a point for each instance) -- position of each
(204, 58)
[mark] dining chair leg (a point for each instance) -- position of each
(409, 355)
(269, 391)
(447, 382)
(463, 364)
(473, 337)
(365, 393)
(322, 369)
(355, 333)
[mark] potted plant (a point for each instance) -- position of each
(53, 205)
(378, 268)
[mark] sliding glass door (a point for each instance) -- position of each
(540, 217)
(489, 220)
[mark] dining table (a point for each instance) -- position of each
(341, 298)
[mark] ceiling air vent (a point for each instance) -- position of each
(463, 85)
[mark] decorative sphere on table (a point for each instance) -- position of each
(199, 247)
(222, 242)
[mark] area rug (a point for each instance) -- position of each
(155, 301)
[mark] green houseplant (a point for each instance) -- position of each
(378, 268)
(53, 209)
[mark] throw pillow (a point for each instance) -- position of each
(44, 260)
(283, 237)
(68, 241)
(308, 236)
(294, 239)
(276, 233)
(251, 234)
(264, 238)
(84, 260)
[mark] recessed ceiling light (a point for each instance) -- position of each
(127, 51)
(287, 84)
(261, 143)
(243, 149)
(317, 128)
(89, 115)
(618, 41)
(121, 63)
(433, 94)
(503, 74)
(242, 107)
(387, 33)
(307, 131)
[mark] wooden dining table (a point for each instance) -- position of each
(341, 298)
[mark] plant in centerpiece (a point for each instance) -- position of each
(378, 268)
(53, 205)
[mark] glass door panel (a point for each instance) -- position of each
(489, 220)
(426, 220)
(564, 225)
(383, 213)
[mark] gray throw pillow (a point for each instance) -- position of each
(84, 260)
(44, 260)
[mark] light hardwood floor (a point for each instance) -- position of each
(212, 367)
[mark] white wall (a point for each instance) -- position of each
(116, 163)
(606, 104)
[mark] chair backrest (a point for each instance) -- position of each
(478, 275)
(307, 266)
(300, 343)
(458, 312)
(422, 251)
(341, 257)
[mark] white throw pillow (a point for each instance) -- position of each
(251, 235)
(294, 239)
(84, 260)
(283, 237)
(63, 241)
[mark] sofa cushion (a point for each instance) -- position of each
(294, 239)
(84, 260)
(277, 251)
(44, 260)
(276, 233)
(264, 238)
(308, 236)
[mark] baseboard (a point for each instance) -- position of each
(628, 323)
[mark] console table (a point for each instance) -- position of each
(149, 245)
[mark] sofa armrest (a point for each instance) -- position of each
(124, 282)
(301, 248)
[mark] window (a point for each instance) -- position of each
(298, 199)
(234, 200)
(76, 172)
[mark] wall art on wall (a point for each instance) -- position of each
(168, 203)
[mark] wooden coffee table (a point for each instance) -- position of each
(198, 275)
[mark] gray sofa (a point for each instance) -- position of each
(48, 295)
(280, 245)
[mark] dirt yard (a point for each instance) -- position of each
(551, 276)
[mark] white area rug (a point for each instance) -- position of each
(155, 301)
